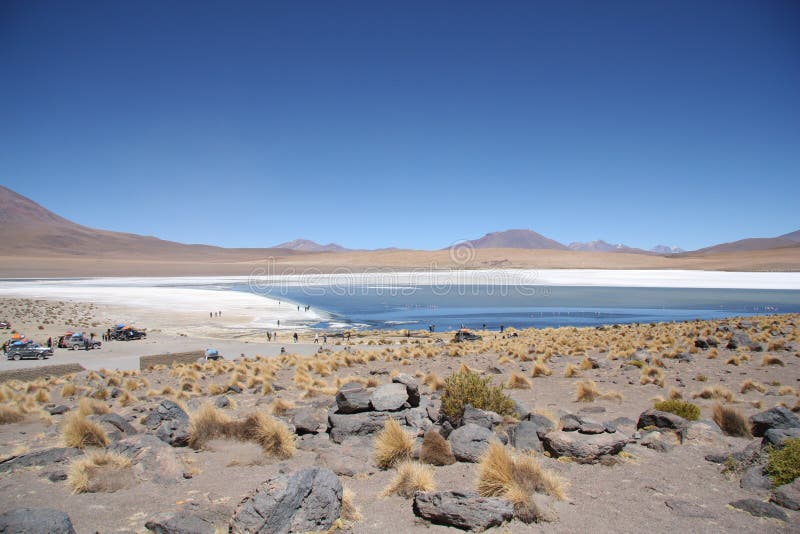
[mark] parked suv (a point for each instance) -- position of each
(28, 351)
(78, 341)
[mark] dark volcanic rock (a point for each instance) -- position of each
(389, 397)
(754, 479)
(660, 419)
(525, 436)
(479, 417)
(42, 458)
(467, 511)
(788, 495)
(170, 424)
(310, 420)
(307, 500)
(760, 509)
(777, 417)
(583, 448)
(58, 410)
(35, 520)
(118, 422)
(352, 398)
(360, 424)
(412, 388)
(468, 442)
(191, 519)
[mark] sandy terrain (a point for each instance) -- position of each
(26, 265)
(623, 493)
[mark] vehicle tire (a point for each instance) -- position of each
(17, 357)
(76, 347)
(40, 356)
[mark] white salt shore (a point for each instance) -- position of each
(200, 295)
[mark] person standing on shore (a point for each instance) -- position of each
(295, 336)
(269, 336)
(50, 343)
(316, 338)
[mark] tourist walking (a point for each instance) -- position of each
(295, 336)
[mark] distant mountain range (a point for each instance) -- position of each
(306, 245)
(33, 231)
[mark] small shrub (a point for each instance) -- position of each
(392, 445)
(411, 477)
(687, 410)
(465, 387)
(435, 450)
(571, 370)
(783, 465)
(68, 390)
(731, 421)
(540, 369)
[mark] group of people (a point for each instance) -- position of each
(211, 315)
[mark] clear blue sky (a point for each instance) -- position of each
(410, 124)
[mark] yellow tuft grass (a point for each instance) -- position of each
(714, 392)
(749, 385)
(518, 381)
(540, 369)
(515, 478)
(771, 360)
(586, 391)
(410, 478)
(571, 370)
(435, 450)
(80, 432)
(731, 421)
(350, 511)
(90, 406)
(98, 472)
(392, 445)
(10, 414)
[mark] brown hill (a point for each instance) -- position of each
(38, 232)
(524, 239)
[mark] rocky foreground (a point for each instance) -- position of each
(689, 426)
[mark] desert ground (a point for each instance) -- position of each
(39, 263)
(202, 447)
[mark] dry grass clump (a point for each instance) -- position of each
(571, 370)
(81, 432)
(435, 450)
(516, 479)
(350, 511)
(434, 382)
(674, 394)
(210, 423)
(731, 421)
(715, 392)
(207, 423)
(98, 472)
(540, 369)
(735, 361)
(392, 445)
(518, 381)
(771, 360)
(652, 375)
(280, 406)
(10, 414)
(586, 391)
(749, 385)
(90, 406)
(411, 477)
